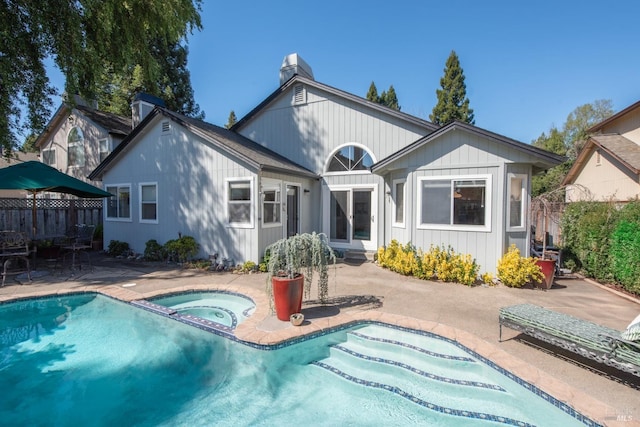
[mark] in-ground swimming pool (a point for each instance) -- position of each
(92, 360)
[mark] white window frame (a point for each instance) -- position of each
(456, 227)
(394, 200)
(251, 202)
(277, 204)
(101, 151)
(327, 162)
(75, 145)
(141, 202)
(106, 206)
(523, 198)
(55, 160)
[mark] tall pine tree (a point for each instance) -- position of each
(232, 120)
(372, 95)
(387, 98)
(453, 103)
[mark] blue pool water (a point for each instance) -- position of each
(90, 360)
(225, 308)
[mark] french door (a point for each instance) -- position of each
(352, 214)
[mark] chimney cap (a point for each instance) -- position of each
(150, 99)
(294, 64)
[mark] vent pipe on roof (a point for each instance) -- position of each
(141, 106)
(293, 64)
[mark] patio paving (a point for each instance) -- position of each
(362, 290)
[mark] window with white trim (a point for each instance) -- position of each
(75, 147)
(350, 158)
(454, 203)
(149, 202)
(271, 206)
(398, 195)
(119, 204)
(516, 208)
(103, 145)
(239, 202)
(49, 157)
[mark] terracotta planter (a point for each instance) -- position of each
(287, 295)
(548, 267)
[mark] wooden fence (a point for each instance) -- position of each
(545, 218)
(54, 216)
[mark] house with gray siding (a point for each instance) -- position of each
(311, 157)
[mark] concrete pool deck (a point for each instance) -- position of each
(361, 290)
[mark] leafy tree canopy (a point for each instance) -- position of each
(453, 103)
(83, 38)
(568, 142)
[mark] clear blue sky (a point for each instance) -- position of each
(527, 64)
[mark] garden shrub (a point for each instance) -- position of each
(516, 271)
(182, 249)
(625, 254)
(118, 248)
(587, 228)
(154, 251)
(438, 263)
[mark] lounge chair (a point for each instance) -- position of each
(588, 339)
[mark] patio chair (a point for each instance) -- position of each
(590, 340)
(79, 242)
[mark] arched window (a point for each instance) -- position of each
(75, 147)
(350, 158)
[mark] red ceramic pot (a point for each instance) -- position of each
(287, 294)
(548, 267)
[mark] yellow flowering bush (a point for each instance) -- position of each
(398, 258)
(516, 271)
(439, 263)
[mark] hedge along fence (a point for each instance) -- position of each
(438, 263)
(603, 240)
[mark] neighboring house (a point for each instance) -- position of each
(608, 166)
(16, 157)
(311, 157)
(78, 137)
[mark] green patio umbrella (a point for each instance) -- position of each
(36, 177)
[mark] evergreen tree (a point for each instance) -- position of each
(83, 37)
(390, 99)
(232, 120)
(453, 103)
(387, 98)
(372, 95)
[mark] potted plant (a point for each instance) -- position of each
(545, 261)
(97, 240)
(292, 264)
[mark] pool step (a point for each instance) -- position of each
(383, 359)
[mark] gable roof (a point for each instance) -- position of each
(616, 116)
(254, 154)
(620, 148)
(337, 92)
(546, 158)
(112, 123)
